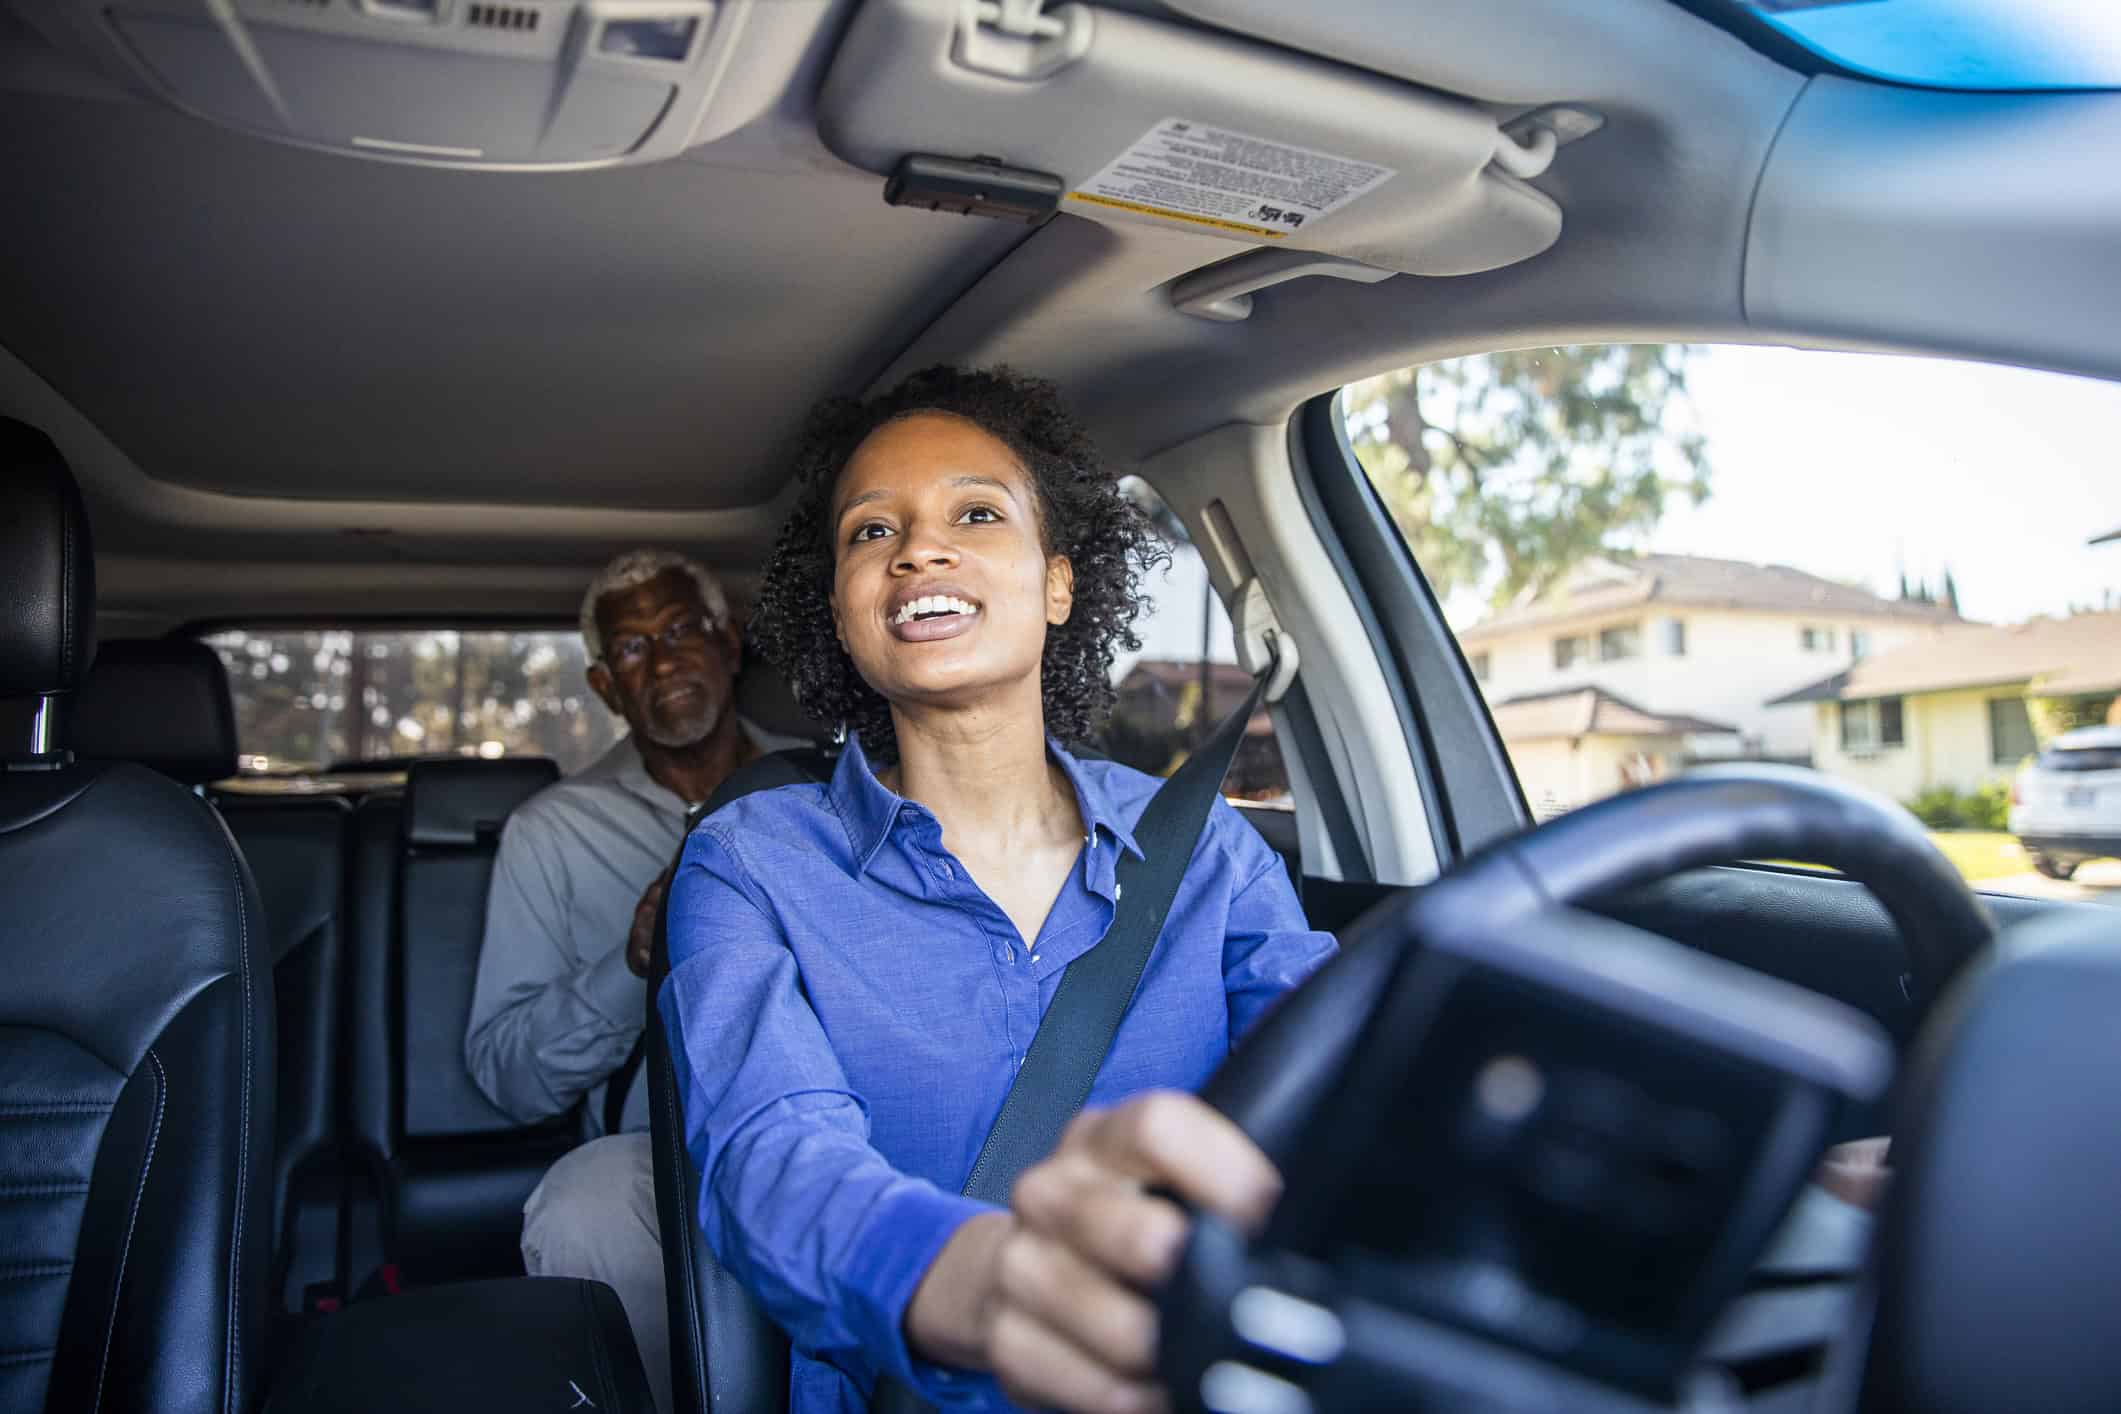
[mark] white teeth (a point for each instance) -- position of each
(933, 604)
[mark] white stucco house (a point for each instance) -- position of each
(1631, 666)
(1950, 706)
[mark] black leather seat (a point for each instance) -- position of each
(453, 1170)
(164, 703)
(136, 1028)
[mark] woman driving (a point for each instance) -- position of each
(858, 967)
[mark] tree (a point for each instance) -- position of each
(1506, 470)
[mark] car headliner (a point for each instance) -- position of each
(292, 380)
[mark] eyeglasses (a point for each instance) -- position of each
(686, 635)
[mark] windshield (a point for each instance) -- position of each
(1966, 44)
(1892, 570)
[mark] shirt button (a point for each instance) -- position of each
(1001, 955)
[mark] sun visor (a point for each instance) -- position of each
(1148, 121)
(462, 83)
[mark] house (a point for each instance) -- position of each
(1157, 720)
(1962, 704)
(1680, 638)
(1577, 744)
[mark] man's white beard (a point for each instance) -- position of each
(687, 731)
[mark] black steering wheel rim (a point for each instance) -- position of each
(1716, 815)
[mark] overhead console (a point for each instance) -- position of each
(460, 83)
(1146, 121)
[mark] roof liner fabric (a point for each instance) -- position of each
(245, 317)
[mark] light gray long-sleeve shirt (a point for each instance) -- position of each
(555, 1009)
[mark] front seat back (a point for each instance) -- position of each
(136, 1028)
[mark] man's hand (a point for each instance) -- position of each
(1052, 1298)
(640, 938)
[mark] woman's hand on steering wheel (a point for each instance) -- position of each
(1070, 1325)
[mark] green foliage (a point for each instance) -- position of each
(1506, 470)
(2052, 716)
(1985, 807)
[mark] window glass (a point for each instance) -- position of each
(309, 700)
(2010, 731)
(1969, 44)
(1185, 677)
(1624, 641)
(1836, 575)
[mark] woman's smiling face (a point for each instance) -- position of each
(942, 589)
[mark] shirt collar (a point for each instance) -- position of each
(632, 773)
(868, 810)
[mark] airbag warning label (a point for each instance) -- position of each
(1211, 176)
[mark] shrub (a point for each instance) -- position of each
(1984, 807)
(1987, 807)
(1937, 807)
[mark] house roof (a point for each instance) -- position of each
(1227, 685)
(1590, 711)
(2054, 657)
(1601, 586)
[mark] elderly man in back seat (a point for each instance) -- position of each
(576, 886)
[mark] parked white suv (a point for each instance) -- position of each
(2066, 805)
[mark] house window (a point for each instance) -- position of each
(1622, 641)
(1872, 725)
(1675, 638)
(1568, 650)
(1815, 640)
(1859, 643)
(2010, 731)
(1480, 666)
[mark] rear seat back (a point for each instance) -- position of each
(164, 704)
(452, 826)
(454, 1171)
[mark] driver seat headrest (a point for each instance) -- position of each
(47, 569)
(162, 703)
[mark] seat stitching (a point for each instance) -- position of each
(27, 1357)
(229, 1399)
(41, 1190)
(26, 1271)
(147, 1162)
(56, 1107)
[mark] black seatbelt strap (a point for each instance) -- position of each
(1072, 1038)
(1077, 1030)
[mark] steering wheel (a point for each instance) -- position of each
(1286, 1077)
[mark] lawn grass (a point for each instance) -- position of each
(1976, 854)
(1981, 854)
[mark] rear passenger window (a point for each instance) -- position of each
(1902, 572)
(311, 700)
(1185, 679)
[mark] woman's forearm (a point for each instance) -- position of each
(946, 1321)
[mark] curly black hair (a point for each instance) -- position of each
(1082, 514)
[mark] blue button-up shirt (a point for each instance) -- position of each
(847, 1010)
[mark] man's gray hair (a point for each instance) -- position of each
(634, 569)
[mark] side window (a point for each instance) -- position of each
(1185, 677)
(310, 700)
(1664, 555)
